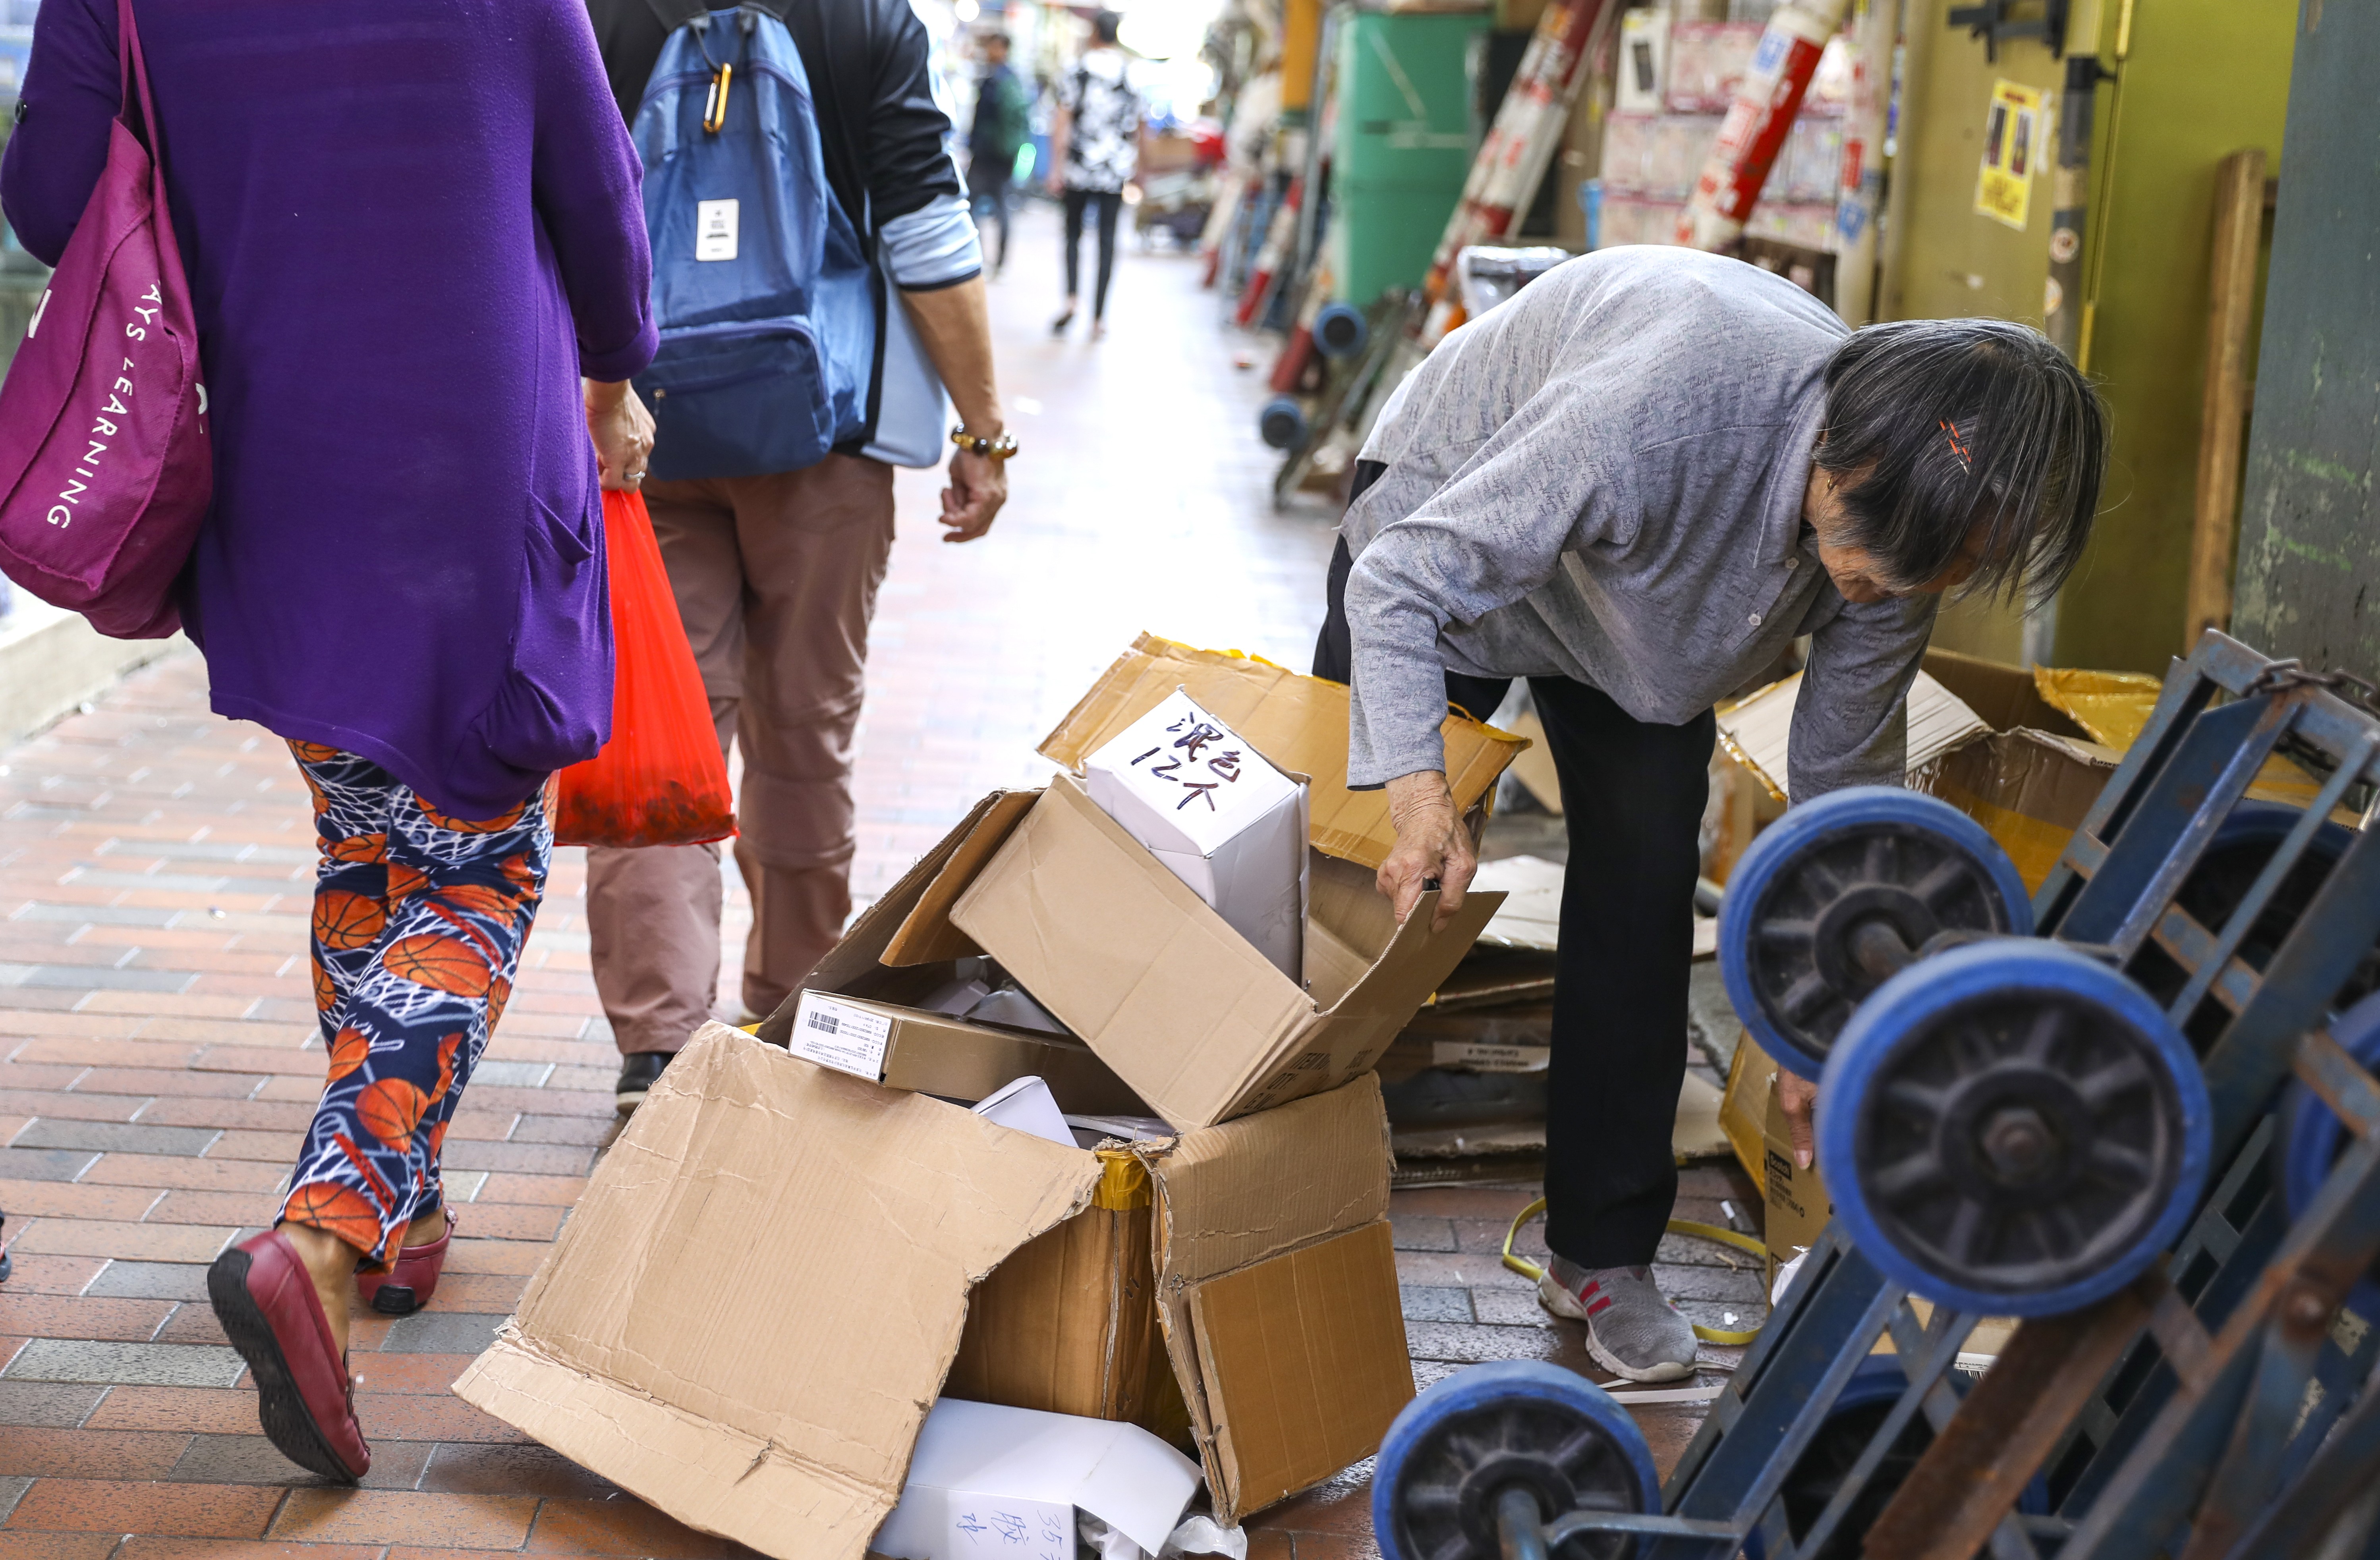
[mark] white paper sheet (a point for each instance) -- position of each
(978, 1451)
(1027, 1106)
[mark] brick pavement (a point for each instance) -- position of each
(157, 1051)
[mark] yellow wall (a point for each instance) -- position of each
(2201, 78)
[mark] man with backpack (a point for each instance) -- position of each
(1003, 124)
(819, 285)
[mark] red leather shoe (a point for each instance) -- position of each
(407, 1286)
(266, 1302)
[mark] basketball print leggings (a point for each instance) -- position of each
(419, 923)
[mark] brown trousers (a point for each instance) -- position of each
(776, 580)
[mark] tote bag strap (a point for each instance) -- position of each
(138, 104)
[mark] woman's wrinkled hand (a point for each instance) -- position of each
(622, 432)
(1431, 844)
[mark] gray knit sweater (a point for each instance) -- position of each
(1602, 480)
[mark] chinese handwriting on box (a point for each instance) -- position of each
(1187, 751)
(1004, 1525)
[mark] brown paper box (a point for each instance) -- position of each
(767, 1279)
(1185, 1010)
(1299, 723)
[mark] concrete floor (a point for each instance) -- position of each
(157, 1050)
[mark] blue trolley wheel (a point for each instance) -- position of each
(1833, 871)
(2313, 1137)
(1281, 423)
(1340, 331)
(1480, 1432)
(2012, 1129)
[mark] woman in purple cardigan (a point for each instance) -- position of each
(411, 229)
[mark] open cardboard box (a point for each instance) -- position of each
(1187, 1012)
(768, 1276)
(856, 1011)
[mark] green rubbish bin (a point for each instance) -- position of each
(1403, 146)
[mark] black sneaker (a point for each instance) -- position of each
(638, 1072)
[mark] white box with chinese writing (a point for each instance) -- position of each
(1220, 816)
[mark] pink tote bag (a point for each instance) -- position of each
(105, 471)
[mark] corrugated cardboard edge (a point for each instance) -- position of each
(1320, 1169)
(710, 1475)
(927, 935)
(1144, 675)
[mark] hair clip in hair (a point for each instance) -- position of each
(1958, 444)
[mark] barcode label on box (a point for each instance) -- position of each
(1481, 1057)
(840, 1034)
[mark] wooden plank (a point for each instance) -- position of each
(2223, 418)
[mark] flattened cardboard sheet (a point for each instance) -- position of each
(1298, 722)
(754, 1305)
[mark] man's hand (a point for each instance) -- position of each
(623, 431)
(1431, 843)
(1796, 1096)
(979, 487)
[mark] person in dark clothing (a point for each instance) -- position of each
(1002, 121)
(1094, 151)
(776, 574)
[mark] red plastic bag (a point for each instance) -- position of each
(661, 779)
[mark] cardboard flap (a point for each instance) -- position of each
(1235, 1194)
(926, 936)
(1304, 1364)
(1298, 722)
(862, 947)
(1240, 1206)
(755, 1300)
(1126, 955)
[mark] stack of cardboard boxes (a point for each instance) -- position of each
(805, 1238)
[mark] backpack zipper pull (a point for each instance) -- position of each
(715, 107)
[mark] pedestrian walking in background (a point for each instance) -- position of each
(776, 574)
(1094, 151)
(403, 257)
(1003, 124)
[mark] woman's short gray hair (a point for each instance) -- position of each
(1936, 427)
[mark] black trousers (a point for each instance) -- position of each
(1633, 792)
(1105, 204)
(988, 196)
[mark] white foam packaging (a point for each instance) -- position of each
(1218, 814)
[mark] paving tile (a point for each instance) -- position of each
(141, 1242)
(440, 1331)
(380, 1371)
(117, 1506)
(278, 1148)
(511, 1470)
(515, 1221)
(198, 1410)
(236, 1208)
(143, 1547)
(42, 1164)
(115, 1137)
(39, 1274)
(86, 977)
(493, 1256)
(1481, 1344)
(251, 1460)
(151, 1280)
(536, 1158)
(50, 1199)
(559, 1191)
(457, 1521)
(428, 1416)
(55, 1546)
(272, 1115)
(481, 1291)
(80, 1107)
(66, 1316)
(89, 1454)
(1429, 1303)
(625, 1527)
(566, 1129)
(12, 1490)
(57, 1405)
(193, 1323)
(198, 1175)
(130, 1364)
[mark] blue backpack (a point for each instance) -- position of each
(766, 301)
